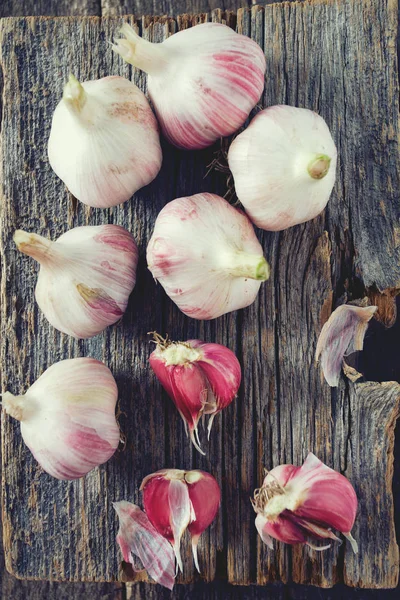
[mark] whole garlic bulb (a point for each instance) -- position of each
(104, 142)
(205, 254)
(284, 167)
(203, 81)
(86, 276)
(68, 417)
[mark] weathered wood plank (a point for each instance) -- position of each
(55, 8)
(284, 409)
(173, 8)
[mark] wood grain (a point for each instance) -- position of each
(173, 8)
(338, 58)
(56, 8)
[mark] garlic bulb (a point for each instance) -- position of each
(203, 81)
(299, 504)
(342, 335)
(200, 378)
(86, 276)
(104, 142)
(284, 167)
(136, 535)
(205, 254)
(176, 500)
(68, 417)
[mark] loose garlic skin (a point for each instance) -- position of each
(202, 81)
(68, 417)
(104, 141)
(85, 277)
(284, 167)
(205, 254)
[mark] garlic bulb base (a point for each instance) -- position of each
(15, 406)
(74, 95)
(139, 52)
(318, 167)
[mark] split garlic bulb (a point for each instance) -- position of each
(104, 142)
(203, 81)
(284, 167)
(68, 417)
(205, 254)
(86, 276)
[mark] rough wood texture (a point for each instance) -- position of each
(172, 8)
(56, 8)
(338, 58)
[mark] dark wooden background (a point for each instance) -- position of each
(352, 248)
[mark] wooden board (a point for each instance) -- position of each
(338, 58)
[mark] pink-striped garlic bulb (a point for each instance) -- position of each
(301, 505)
(176, 500)
(85, 277)
(284, 167)
(104, 141)
(68, 417)
(201, 379)
(205, 254)
(203, 81)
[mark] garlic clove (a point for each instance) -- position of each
(181, 513)
(137, 536)
(284, 167)
(68, 417)
(200, 378)
(203, 81)
(86, 276)
(205, 254)
(104, 141)
(342, 335)
(205, 496)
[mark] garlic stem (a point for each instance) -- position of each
(242, 264)
(144, 55)
(74, 95)
(33, 245)
(15, 406)
(318, 167)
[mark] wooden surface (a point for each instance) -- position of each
(346, 69)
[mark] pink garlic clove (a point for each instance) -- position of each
(295, 504)
(200, 378)
(205, 496)
(137, 536)
(206, 255)
(203, 81)
(342, 335)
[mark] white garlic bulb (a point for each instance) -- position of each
(205, 254)
(86, 276)
(202, 81)
(284, 167)
(104, 142)
(68, 417)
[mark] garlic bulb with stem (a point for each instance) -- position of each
(176, 500)
(298, 505)
(68, 417)
(85, 277)
(205, 254)
(342, 335)
(104, 142)
(202, 81)
(284, 167)
(201, 379)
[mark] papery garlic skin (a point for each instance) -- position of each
(201, 378)
(205, 254)
(284, 167)
(176, 500)
(104, 141)
(342, 335)
(299, 504)
(68, 417)
(202, 81)
(86, 276)
(138, 536)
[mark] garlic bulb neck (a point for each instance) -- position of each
(82, 105)
(242, 264)
(318, 166)
(34, 245)
(144, 55)
(16, 406)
